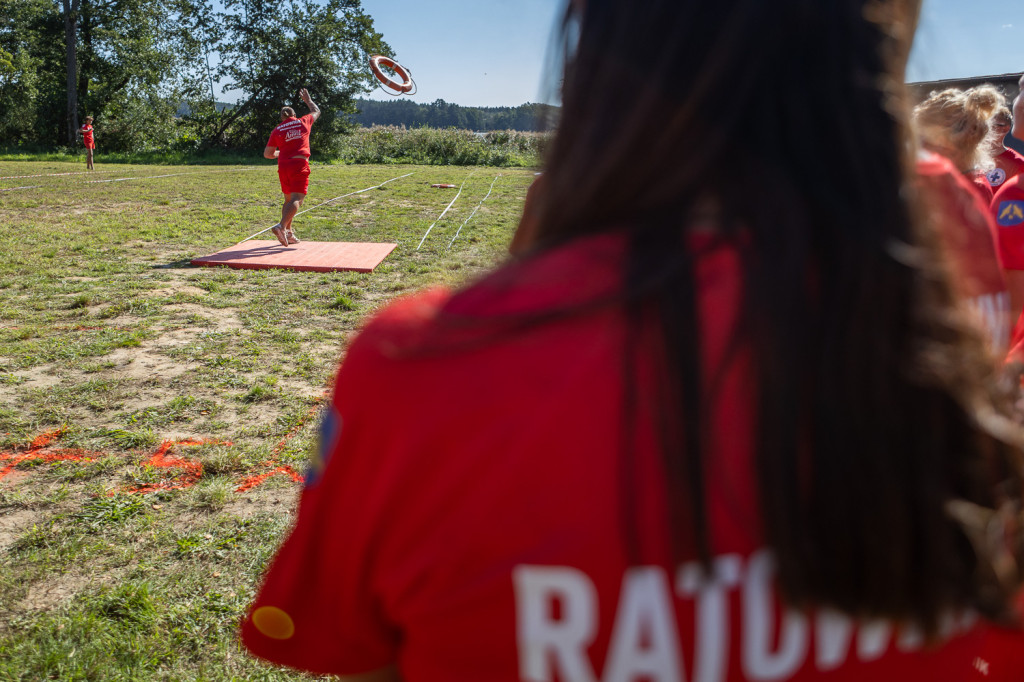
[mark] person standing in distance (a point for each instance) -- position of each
(289, 144)
(90, 143)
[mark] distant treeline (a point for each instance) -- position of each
(440, 114)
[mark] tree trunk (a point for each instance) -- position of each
(70, 40)
(84, 65)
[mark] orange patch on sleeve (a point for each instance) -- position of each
(274, 623)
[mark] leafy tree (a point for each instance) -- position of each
(131, 64)
(25, 79)
(123, 52)
(271, 48)
(71, 58)
(112, 48)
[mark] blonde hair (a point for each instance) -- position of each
(955, 123)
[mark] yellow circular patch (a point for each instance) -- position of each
(273, 622)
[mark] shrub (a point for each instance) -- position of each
(449, 146)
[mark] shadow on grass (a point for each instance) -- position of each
(183, 264)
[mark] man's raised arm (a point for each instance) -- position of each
(313, 108)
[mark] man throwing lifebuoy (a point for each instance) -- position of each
(289, 144)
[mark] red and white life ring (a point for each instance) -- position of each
(378, 60)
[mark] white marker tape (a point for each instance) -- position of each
(444, 211)
(330, 201)
(474, 211)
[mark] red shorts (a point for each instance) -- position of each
(90, 145)
(294, 175)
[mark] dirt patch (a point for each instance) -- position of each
(150, 359)
(143, 363)
(124, 322)
(52, 592)
(14, 523)
(283, 499)
(12, 479)
(277, 499)
(43, 376)
(221, 320)
(179, 289)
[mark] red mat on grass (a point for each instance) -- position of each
(308, 256)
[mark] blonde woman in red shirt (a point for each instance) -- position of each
(955, 124)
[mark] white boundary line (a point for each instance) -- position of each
(444, 211)
(171, 175)
(330, 201)
(143, 177)
(474, 211)
(351, 193)
(53, 175)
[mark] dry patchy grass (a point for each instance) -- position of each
(108, 335)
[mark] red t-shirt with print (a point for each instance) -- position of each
(968, 236)
(292, 137)
(463, 518)
(87, 136)
(1008, 210)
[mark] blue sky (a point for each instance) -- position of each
(968, 38)
(491, 52)
(469, 52)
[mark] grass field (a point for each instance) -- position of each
(153, 415)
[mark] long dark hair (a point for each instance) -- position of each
(786, 120)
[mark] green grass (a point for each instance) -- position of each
(108, 334)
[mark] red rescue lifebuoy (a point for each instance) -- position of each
(378, 60)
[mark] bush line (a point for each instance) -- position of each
(376, 145)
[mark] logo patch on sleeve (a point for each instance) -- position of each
(996, 177)
(330, 432)
(1010, 213)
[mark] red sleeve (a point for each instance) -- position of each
(308, 120)
(1008, 210)
(1012, 161)
(275, 139)
(318, 608)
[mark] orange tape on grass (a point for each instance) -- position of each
(257, 479)
(253, 481)
(191, 470)
(37, 450)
